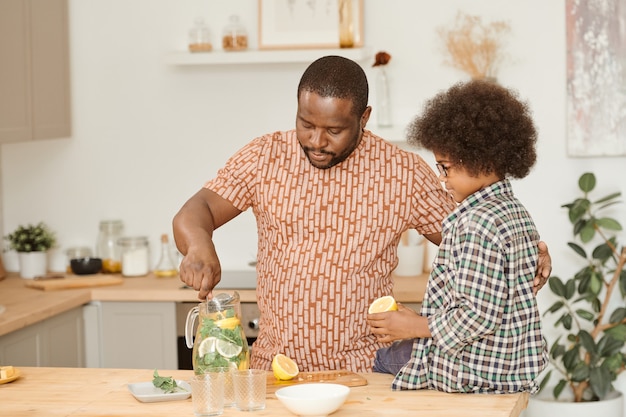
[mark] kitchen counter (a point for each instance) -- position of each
(26, 306)
(97, 392)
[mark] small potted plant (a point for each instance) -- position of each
(589, 354)
(32, 242)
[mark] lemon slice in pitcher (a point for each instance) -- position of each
(206, 346)
(227, 349)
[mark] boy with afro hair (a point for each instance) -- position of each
(479, 328)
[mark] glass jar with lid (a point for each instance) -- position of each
(135, 256)
(200, 37)
(107, 248)
(234, 35)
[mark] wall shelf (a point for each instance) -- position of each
(263, 57)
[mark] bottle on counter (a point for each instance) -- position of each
(235, 35)
(166, 267)
(135, 256)
(107, 248)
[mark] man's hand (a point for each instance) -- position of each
(201, 272)
(544, 269)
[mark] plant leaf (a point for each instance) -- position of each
(587, 341)
(588, 232)
(618, 315)
(608, 198)
(578, 249)
(618, 332)
(602, 252)
(584, 314)
(600, 381)
(587, 182)
(559, 388)
(608, 223)
(580, 372)
(557, 286)
(595, 285)
(608, 345)
(555, 307)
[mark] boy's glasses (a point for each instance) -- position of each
(443, 170)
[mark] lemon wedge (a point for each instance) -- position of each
(284, 367)
(383, 304)
(229, 323)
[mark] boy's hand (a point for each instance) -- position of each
(397, 325)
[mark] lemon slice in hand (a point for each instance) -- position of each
(227, 349)
(284, 367)
(383, 304)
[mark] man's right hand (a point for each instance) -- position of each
(193, 227)
(201, 272)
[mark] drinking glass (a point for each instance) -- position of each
(229, 392)
(250, 389)
(207, 393)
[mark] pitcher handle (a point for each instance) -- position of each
(191, 318)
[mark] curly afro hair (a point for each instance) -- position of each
(481, 126)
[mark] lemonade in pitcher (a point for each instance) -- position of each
(220, 340)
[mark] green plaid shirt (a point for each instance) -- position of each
(483, 316)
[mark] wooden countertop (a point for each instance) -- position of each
(90, 392)
(26, 306)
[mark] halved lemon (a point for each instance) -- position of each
(383, 304)
(284, 367)
(207, 346)
(227, 349)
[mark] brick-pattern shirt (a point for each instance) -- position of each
(327, 241)
(484, 320)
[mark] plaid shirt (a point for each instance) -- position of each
(483, 316)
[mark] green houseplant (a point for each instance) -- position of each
(590, 354)
(31, 243)
(31, 238)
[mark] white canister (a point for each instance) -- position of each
(410, 254)
(135, 256)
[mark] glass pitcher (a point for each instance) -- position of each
(220, 340)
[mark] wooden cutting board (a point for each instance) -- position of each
(74, 282)
(349, 379)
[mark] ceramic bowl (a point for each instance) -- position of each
(314, 399)
(86, 266)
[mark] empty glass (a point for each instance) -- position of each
(250, 389)
(207, 393)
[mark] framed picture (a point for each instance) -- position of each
(596, 70)
(297, 24)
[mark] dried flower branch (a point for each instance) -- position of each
(474, 47)
(382, 58)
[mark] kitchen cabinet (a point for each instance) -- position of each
(34, 70)
(131, 334)
(57, 341)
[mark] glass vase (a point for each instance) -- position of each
(383, 105)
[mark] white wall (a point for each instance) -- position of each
(147, 135)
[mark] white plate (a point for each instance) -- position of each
(146, 392)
